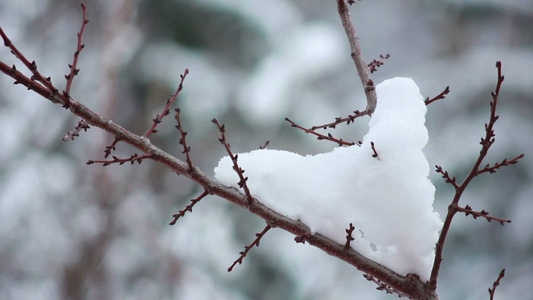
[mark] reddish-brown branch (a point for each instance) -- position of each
(183, 142)
(247, 248)
(166, 111)
(349, 119)
(73, 70)
(242, 180)
(82, 126)
(375, 64)
(44, 85)
(264, 145)
(188, 208)
(357, 56)
(496, 284)
(349, 237)
(375, 155)
(483, 214)
(319, 136)
(442, 95)
(447, 177)
(134, 158)
(111, 148)
(382, 286)
(498, 165)
(453, 208)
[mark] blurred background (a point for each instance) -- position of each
(72, 231)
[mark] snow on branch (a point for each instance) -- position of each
(210, 185)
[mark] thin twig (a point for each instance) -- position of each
(247, 248)
(496, 284)
(264, 145)
(382, 286)
(442, 95)
(166, 111)
(73, 70)
(134, 158)
(242, 180)
(349, 119)
(453, 208)
(319, 136)
(375, 155)
(349, 237)
(483, 214)
(188, 208)
(47, 89)
(375, 63)
(183, 142)
(498, 165)
(82, 126)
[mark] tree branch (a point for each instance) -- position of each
(453, 208)
(360, 64)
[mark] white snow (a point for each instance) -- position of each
(388, 199)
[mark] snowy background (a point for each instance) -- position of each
(71, 231)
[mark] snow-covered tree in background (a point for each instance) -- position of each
(374, 197)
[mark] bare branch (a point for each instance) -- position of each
(498, 165)
(375, 155)
(166, 111)
(453, 208)
(242, 180)
(319, 136)
(447, 177)
(349, 237)
(264, 145)
(247, 248)
(375, 64)
(183, 142)
(349, 119)
(134, 158)
(484, 214)
(442, 95)
(188, 208)
(382, 286)
(360, 64)
(82, 126)
(73, 70)
(496, 284)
